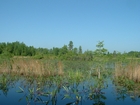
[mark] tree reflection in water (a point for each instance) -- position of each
(54, 91)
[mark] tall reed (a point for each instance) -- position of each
(130, 70)
(25, 66)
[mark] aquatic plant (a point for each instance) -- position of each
(4, 84)
(33, 95)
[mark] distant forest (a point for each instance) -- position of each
(67, 52)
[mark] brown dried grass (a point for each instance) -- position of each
(29, 67)
(130, 71)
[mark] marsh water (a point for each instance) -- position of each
(53, 91)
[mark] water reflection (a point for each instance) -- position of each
(123, 93)
(55, 90)
(6, 83)
(77, 92)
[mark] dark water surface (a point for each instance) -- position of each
(20, 92)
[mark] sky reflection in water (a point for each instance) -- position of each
(110, 97)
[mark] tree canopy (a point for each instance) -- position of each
(66, 52)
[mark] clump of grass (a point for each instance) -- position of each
(119, 69)
(133, 73)
(76, 75)
(60, 68)
(130, 71)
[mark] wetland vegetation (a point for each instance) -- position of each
(68, 76)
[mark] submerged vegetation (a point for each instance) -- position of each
(68, 73)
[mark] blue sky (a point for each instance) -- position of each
(53, 23)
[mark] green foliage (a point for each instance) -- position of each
(66, 52)
(63, 50)
(134, 54)
(6, 55)
(38, 56)
(88, 55)
(70, 45)
(80, 49)
(100, 51)
(56, 51)
(16, 49)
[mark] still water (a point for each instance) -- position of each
(23, 92)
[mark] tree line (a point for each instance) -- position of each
(21, 49)
(66, 52)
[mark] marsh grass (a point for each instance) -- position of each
(37, 69)
(27, 67)
(130, 70)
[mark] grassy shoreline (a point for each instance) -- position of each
(28, 66)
